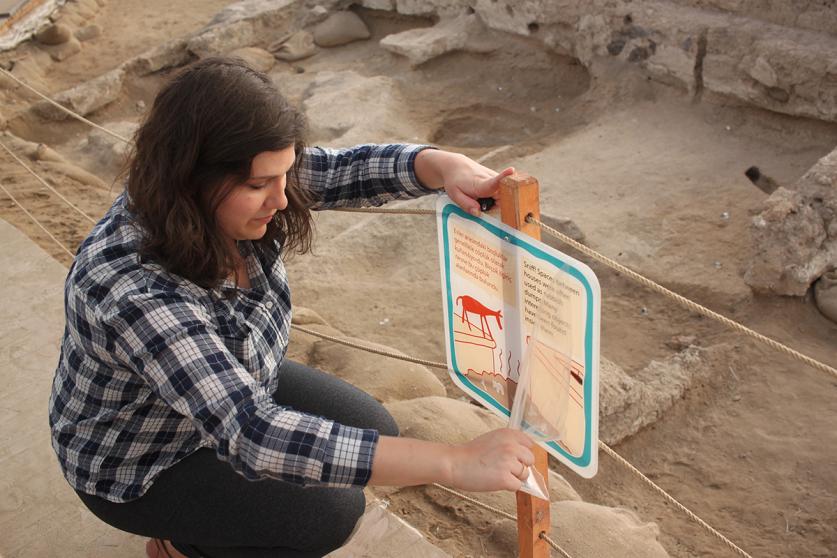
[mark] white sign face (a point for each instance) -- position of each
(507, 296)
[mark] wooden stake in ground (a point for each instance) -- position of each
(519, 196)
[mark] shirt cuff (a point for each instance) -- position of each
(407, 171)
(348, 456)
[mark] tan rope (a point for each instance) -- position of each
(476, 502)
(625, 463)
(507, 515)
(45, 183)
(62, 107)
(607, 449)
(369, 349)
(683, 301)
(641, 279)
(43, 228)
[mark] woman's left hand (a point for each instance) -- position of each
(463, 179)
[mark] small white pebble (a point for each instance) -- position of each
(728, 128)
(725, 215)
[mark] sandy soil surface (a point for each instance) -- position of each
(644, 172)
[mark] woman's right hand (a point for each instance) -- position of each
(497, 460)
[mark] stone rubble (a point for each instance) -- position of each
(825, 294)
(340, 28)
(54, 34)
(795, 235)
(88, 32)
(422, 44)
(774, 66)
(85, 97)
(65, 50)
(297, 46)
(169, 54)
(627, 404)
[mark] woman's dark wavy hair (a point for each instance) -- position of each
(199, 140)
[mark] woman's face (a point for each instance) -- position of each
(246, 211)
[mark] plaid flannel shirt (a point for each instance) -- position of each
(153, 367)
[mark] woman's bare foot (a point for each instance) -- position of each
(156, 548)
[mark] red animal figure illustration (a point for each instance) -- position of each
(475, 307)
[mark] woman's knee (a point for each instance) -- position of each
(383, 422)
(337, 520)
(310, 390)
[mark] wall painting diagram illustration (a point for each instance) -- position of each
(511, 301)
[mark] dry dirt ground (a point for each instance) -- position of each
(653, 179)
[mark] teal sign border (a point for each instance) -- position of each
(585, 459)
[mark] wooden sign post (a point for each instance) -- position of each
(519, 197)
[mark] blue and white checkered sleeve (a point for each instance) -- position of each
(360, 175)
(174, 347)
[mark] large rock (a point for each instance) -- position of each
(629, 403)
(50, 160)
(420, 45)
(88, 32)
(795, 235)
(773, 67)
(245, 10)
(243, 24)
(825, 294)
(169, 54)
(340, 28)
(592, 530)
(85, 97)
(257, 58)
(65, 50)
(441, 8)
(442, 419)
(105, 153)
(384, 378)
(293, 47)
(345, 108)
(54, 34)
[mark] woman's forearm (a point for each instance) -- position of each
(497, 460)
(409, 462)
(430, 166)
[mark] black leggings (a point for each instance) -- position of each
(207, 509)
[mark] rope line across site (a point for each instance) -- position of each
(553, 232)
(607, 449)
(642, 280)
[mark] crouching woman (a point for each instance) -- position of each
(173, 393)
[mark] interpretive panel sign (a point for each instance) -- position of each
(512, 301)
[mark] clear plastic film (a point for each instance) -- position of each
(541, 399)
